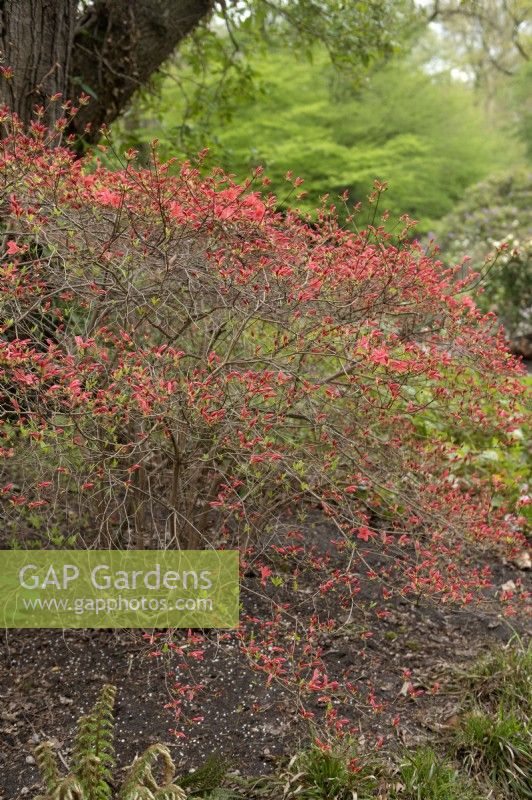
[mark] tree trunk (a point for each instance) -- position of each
(108, 52)
(36, 38)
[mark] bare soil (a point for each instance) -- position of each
(48, 678)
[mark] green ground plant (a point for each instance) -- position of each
(92, 771)
(320, 774)
(423, 775)
(497, 751)
(502, 679)
(493, 740)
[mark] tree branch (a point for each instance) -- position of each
(118, 45)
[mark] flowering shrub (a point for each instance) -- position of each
(182, 366)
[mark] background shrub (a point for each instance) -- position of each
(495, 214)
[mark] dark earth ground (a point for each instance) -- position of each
(48, 678)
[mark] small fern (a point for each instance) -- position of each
(93, 761)
(93, 749)
(142, 785)
(48, 767)
(67, 788)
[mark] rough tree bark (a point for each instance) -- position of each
(108, 51)
(36, 39)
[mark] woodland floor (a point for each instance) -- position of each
(48, 678)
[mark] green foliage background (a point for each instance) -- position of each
(424, 135)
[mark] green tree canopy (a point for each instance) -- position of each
(422, 134)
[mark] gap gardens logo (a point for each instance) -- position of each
(116, 588)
